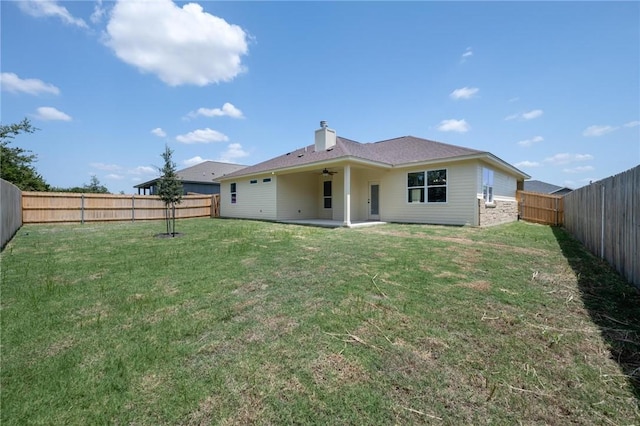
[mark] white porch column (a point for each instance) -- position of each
(347, 195)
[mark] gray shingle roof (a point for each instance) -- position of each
(205, 172)
(208, 171)
(392, 152)
(544, 187)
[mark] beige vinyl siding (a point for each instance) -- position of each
(254, 201)
(504, 185)
(460, 208)
(338, 198)
(322, 212)
(360, 179)
(298, 196)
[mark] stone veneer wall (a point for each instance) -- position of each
(499, 212)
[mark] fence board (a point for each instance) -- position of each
(541, 208)
(605, 217)
(52, 207)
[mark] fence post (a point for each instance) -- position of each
(133, 207)
(82, 209)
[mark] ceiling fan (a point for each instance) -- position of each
(326, 172)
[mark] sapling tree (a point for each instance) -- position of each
(169, 190)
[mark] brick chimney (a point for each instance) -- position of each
(325, 137)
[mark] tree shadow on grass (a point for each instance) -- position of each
(613, 304)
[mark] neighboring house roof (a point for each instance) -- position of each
(545, 188)
(395, 152)
(205, 172)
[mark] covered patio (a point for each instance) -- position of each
(328, 223)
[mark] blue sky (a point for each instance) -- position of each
(550, 87)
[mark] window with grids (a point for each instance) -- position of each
(233, 193)
(487, 185)
(326, 194)
(427, 187)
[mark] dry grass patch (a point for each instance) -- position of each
(59, 346)
(207, 412)
(335, 369)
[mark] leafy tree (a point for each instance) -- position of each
(94, 187)
(169, 189)
(15, 162)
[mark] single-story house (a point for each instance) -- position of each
(545, 188)
(203, 178)
(406, 179)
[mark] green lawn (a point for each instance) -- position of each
(241, 322)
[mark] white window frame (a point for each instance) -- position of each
(234, 192)
(488, 185)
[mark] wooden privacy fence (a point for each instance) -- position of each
(605, 217)
(50, 207)
(541, 208)
(10, 211)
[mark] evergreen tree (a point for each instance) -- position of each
(169, 189)
(15, 162)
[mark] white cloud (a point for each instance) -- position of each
(453, 125)
(51, 114)
(528, 164)
(99, 12)
(43, 9)
(106, 167)
(12, 83)
(186, 45)
(466, 54)
(227, 109)
(529, 115)
(566, 158)
(202, 136)
(233, 152)
(579, 169)
(593, 131)
(529, 142)
(193, 161)
(464, 93)
(632, 124)
(159, 132)
(114, 176)
(142, 170)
